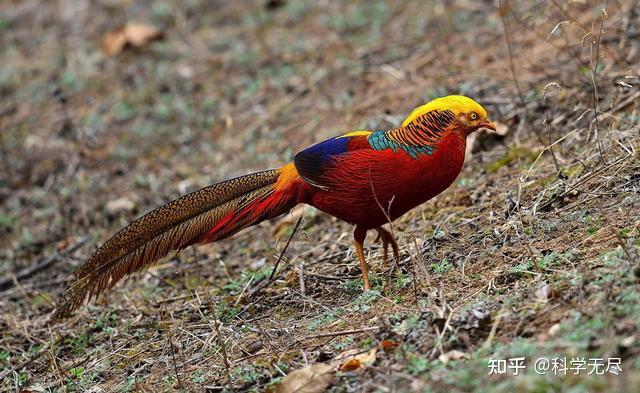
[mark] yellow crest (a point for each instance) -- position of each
(455, 104)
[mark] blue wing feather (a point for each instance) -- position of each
(312, 162)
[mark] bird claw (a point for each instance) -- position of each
(385, 252)
(387, 239)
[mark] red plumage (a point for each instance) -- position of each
(365, 185)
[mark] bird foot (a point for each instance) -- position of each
(387, 238)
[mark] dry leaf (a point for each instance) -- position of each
(138, 34)
(311, 379)
(114, 42)
(134, 34)
(350, 365)
(389, 345)
(354, 359)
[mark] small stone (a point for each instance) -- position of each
(554, 330)
(452, 355)
(543, 292)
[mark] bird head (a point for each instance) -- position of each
(464, 115)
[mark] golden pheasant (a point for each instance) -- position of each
(364, 177)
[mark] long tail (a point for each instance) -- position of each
(209, 214)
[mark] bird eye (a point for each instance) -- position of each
(474, 116)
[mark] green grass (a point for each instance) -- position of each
(441, 267)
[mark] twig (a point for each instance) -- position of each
(414, 278)
(301, 275)
(286, 246)
(444, 330)
(173, 351)
(58, 371)
(594, 70)
(332, 278)
(172, 299)
(221, 343)
(244, 290)
(342, 333)
(549, 121)
(503, 9)
(492, 333)
(263, 284)
(265, 336)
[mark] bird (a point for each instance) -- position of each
(367, 178)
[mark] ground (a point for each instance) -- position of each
(534, 252)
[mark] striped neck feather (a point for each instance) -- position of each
(454, 103)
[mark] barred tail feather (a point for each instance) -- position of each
(209, 214)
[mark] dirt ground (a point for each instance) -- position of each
(534, 252)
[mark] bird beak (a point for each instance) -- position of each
(488, 125)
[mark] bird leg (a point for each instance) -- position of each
(359, 234)
(387, 238)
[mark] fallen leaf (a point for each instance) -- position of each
(139, 34)
(350, 365)
(133, 34)
(311, 379)
(389, 345)
(354, 359)
(114, 42)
